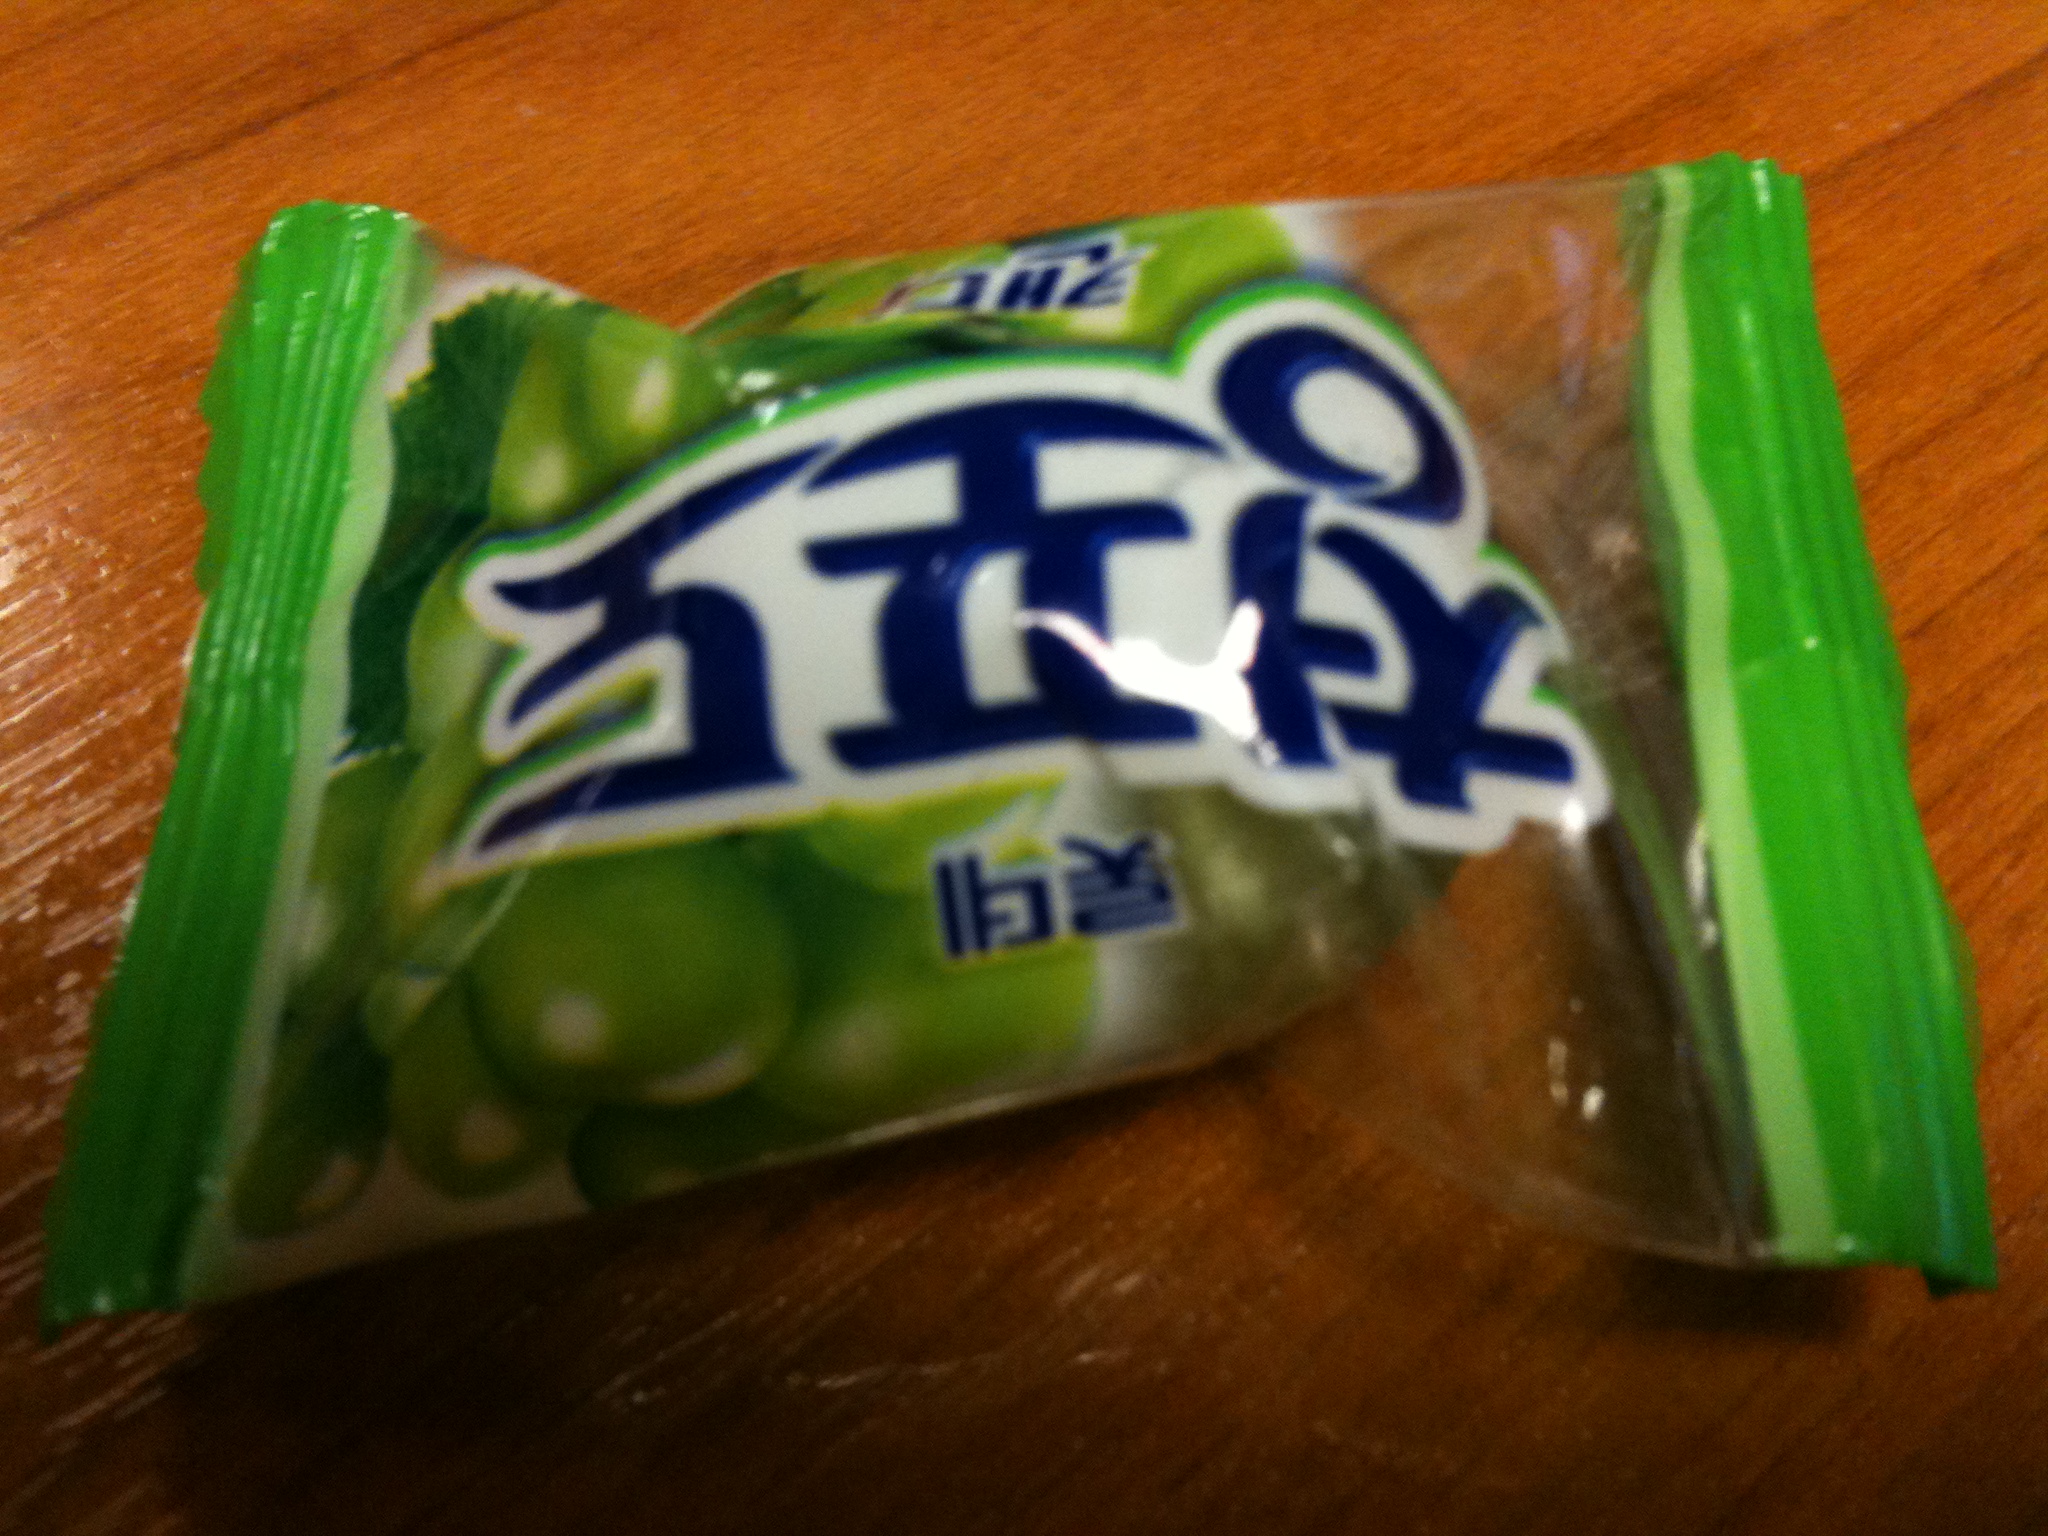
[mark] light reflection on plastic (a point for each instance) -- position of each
(1142, 668)
(1571, 819)
(1699, 884)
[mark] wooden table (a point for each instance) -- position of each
(1195, 1306)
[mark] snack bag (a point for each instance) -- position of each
(617, 756)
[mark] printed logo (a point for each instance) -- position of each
(1095, 890)
(1096, 273)
(1261, 562)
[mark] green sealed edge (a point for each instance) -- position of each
(1849, 974)
(294, 449)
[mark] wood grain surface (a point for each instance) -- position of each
(1195, 1306)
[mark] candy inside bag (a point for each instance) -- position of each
(1427, 637)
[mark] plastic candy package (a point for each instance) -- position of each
(1429, 638)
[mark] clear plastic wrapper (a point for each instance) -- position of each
(1427, 638)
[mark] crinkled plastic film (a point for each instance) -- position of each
(1427, 640)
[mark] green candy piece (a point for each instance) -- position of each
(644, 389)
(888, 1028)
(543, 470)
(659, 977)
(1280, 909)
(456, 1121)
(449, 658)
(423, 822)
(890, 846)
(334, 945)
(422, 936)
(451, 661)
(600, 395)
(435, 949)
(1196, 258)
(624, 1153)
(321, 1135)
(394, 1000)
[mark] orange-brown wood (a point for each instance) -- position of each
(1195, 1306)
